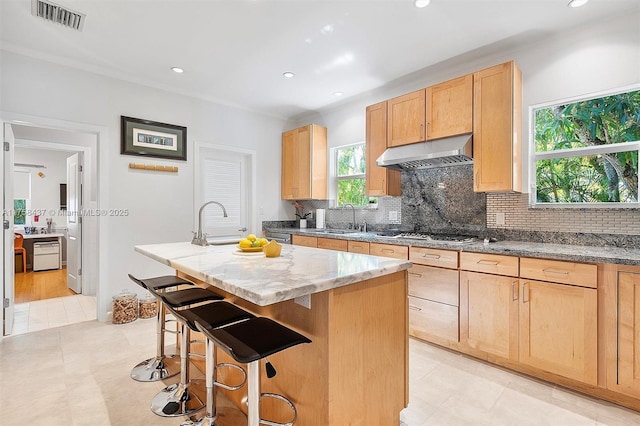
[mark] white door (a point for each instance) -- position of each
(74, 222)
(226, 177)
(7, 233)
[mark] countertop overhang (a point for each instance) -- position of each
(588, 254)
(298, 271)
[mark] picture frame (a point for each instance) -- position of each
(152, 139)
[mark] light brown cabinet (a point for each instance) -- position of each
(497, 129)
(332, 244)
(558, 329)
(406, 119)
(303, 240)
(622, 329)
(304, 163)
(361, 247)
(449, 108)
(389, 250)
(380, 181)
(489, 313)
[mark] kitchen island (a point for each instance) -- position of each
(355, 371)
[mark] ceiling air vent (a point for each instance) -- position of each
(58, 14)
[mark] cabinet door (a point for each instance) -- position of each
(406, 119)
(558, 329)
(497, 126)
(379, 180)
(332, 244)
(628, 379)
(303, 240)
(489, 313)
(389, 250)
(296, 166)
(450, 108)
(358, 247)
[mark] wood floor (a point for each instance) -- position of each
(41, 285)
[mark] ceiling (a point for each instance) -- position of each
(235, 51)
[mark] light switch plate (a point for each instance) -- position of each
(393, 215)
(500, 218)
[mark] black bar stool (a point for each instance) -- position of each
(212, 316)
(155, 369)
(248, 342)
(177, 400)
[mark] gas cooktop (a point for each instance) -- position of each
(438, 238)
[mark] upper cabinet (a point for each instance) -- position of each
(406, 119)
(497, 129)
(380, 181)
(304, 163)
(450, 108)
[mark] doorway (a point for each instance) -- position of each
(78, 307)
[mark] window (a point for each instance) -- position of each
(585, 152)
(350, 166)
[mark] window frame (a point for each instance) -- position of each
(534, 156)
(336, 179)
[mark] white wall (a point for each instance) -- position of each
(160, 204)
(577, 62)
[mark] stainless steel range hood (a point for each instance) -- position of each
(456, 150)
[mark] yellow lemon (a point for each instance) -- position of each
(251, 237)
(244, 243)
(263, 241)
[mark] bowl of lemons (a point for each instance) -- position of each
(252, 243)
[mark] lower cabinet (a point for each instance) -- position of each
(332, 244)
(303, 240)
(624, 331)
(489, 313)
(559, 329)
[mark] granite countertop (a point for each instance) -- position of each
(577, 253)
(297, 272)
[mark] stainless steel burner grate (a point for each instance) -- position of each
(443, 238)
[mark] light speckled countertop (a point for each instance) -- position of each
(589, 254)
(297, 272)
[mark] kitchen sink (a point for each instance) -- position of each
(346, 232)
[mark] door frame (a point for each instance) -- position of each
(95, 249)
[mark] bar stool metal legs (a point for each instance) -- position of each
(177, 400)
(154, 369)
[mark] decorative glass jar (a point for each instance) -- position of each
(125, 307)
(147, 307)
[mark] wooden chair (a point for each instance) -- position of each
(18, 248)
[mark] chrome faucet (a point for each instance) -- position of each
(353, 224)
(199, 238)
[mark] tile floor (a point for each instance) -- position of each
(79, 375)
(56, 312)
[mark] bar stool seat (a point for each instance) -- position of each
(177, 399)
(248, 342)
(155, 369)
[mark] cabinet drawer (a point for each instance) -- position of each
(429, 319)
(389, 250)
(434, 257)
(332, 244)
(559, 271)
(435, 284)
(302, 240)
(489, 263)
(358, 247)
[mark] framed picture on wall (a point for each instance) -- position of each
(152, 139)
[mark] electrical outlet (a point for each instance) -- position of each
(500, 218)
(304, 301)
(393, 215)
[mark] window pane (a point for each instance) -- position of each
(351, 160)
(601, 121)
(352, 191)
(591, 179)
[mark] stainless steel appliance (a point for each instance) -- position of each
(455, 150)
(46, 255)
(281, 237)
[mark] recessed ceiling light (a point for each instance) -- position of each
(177, 70)
(288, 74)
(421, 3)
(338, 93)
(577, 3)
